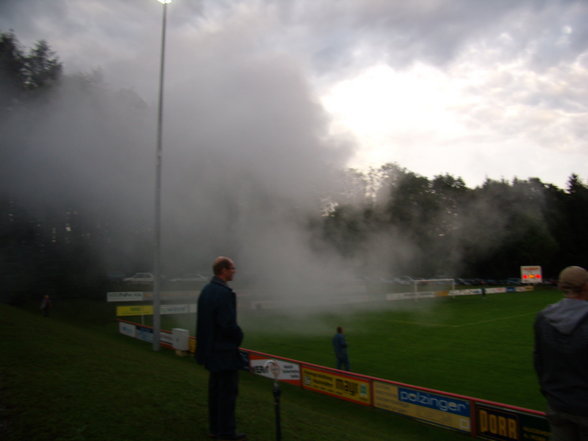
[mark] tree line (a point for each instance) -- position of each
(388, 221)
(440, 226)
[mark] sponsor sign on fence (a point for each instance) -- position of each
(465, 292)
(496, 290)
(289, 371)
(482, 419)
(137, 310)
(338, 385)
(134, 311)
(127, 329)
(503, 424)
(138, 296)
(443, 410)
(128, 296)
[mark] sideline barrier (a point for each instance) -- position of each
(481, 419)
(190, 297)
(415, 295)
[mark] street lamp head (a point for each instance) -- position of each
(165, 2)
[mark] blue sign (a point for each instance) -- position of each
(145, 334)
(434, 401)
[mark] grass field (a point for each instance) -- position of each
(72, 377)
(470, 345)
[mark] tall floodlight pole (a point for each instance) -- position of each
(157, 226)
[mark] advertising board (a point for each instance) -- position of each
(495, 290)
(137, 310)
(289, 372)
(531, 274)
(166, 337)
(338, 385)
(127, 329)
(430, 407)
(145, 334)
(415, 295)
(465, 292)
(126, 296)
(481, 419)
(134, 311)
(503, 424)
(177, 309)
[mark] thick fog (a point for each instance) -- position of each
(247, 163)
(249, 155)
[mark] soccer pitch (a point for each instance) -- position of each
(480, 346)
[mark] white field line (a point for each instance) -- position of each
(508, 317)
(463, 325)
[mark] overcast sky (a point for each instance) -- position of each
(475, 88)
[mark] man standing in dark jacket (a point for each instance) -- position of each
(340, 347)
(561, 357)
(218, 337)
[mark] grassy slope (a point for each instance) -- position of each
(64, 381)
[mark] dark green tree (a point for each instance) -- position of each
(24, 75)
(42, 67)
(12, 70)
(577, 214)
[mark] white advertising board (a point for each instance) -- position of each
(177, 309)
(127, 329)
(531, 274)
(127, 296)
(288, 371)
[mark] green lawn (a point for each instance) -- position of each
(476, 346)
(72, 377)
(480, 346)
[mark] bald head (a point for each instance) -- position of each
(224, 268)
(573, 281)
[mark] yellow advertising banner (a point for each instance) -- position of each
(426, 406)
(338, 385)
(125, 311)
(135, 310)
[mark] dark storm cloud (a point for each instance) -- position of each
(349, 32)
(335, 35)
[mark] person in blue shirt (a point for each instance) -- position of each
(340, 347)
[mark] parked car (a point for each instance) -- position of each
(116, 276)
(191, 277)
(464, 282)
(140, 278)
(403, 280)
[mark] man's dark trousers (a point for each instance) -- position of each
(223, 388)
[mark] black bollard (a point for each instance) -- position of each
(273, 367)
